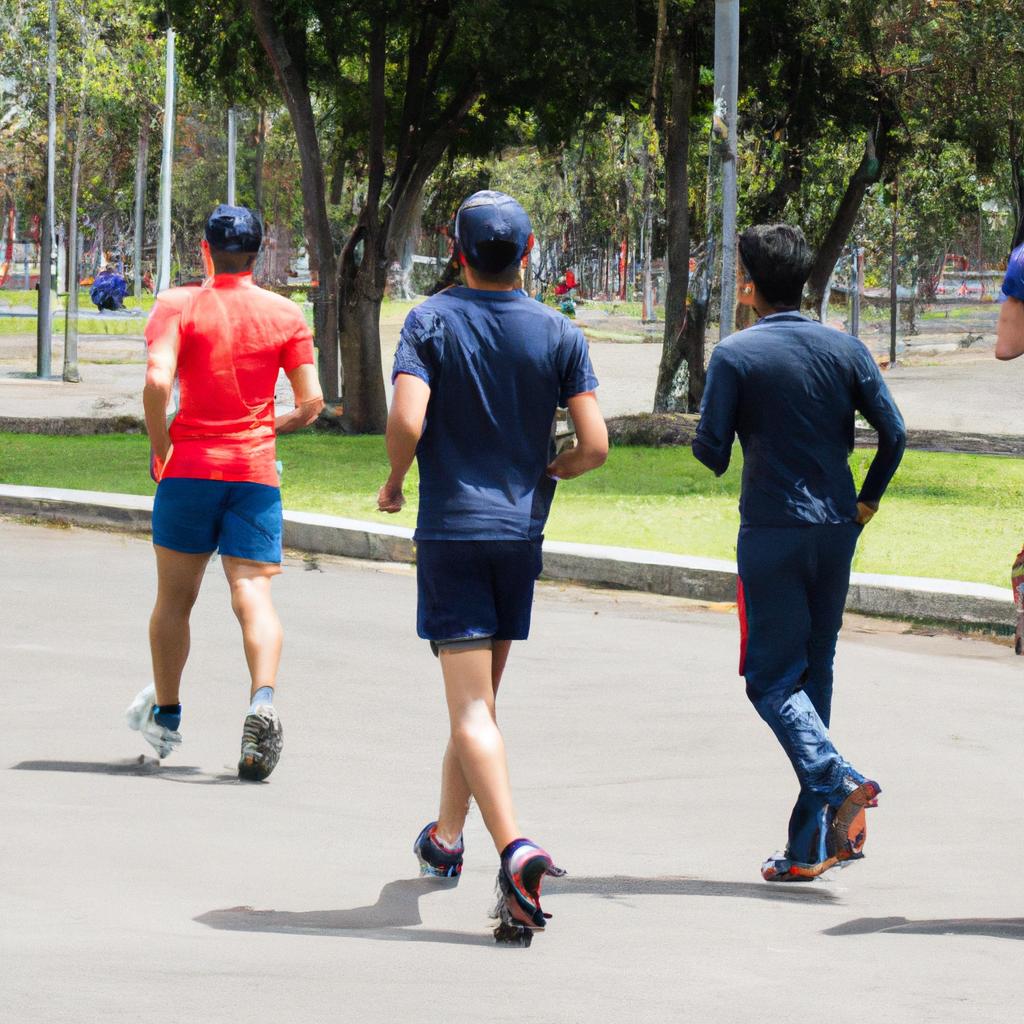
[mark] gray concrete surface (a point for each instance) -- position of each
(173, 893)
(954, 602)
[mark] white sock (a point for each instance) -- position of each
(264, 695)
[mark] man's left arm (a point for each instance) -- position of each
(875, 403)
(1010, 329)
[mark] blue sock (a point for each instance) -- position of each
(264, 695)
(167, 715)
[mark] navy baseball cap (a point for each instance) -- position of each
(234, 229)
(492, 230)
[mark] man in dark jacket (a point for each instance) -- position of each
(790, 387)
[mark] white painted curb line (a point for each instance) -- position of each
(654, 572)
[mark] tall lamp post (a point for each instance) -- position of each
(727, 62)
(163, 278)
(232, 141)
(44, 318)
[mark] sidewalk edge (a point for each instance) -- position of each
(704, 579)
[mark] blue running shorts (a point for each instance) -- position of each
(474, 589)
(241, 520)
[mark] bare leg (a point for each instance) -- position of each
(179, 577)
(477, 743)
(261, 628)
(455, 794)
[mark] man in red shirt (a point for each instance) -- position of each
(218, 487)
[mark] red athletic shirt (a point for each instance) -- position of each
(233, 338)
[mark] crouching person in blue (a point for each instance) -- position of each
(789, 387)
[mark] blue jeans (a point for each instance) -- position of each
(793, 585)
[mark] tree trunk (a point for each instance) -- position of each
(1017, 182)
(295, 90)
(362, 271)
(682, 358)
(868, 173)
(647, 313)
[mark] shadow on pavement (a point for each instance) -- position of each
(391, 918)
(992, 927)
(396, 912)
(138, 766)
(611, 886)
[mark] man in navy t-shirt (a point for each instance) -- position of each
(790, 388)
(479, 372)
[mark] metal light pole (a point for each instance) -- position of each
(44, 319)
(727, 62)
(163, 277)
(232, 135)
(893, 277)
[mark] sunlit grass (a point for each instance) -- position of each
(952, 516)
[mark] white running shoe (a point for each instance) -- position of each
(140, 717)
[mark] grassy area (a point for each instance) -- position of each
(21, 297)
(86, 325)
(952, 516)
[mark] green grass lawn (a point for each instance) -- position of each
(952, 516)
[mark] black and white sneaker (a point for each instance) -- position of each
(262, 740)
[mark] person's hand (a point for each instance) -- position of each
(864, 512)
(390, 497)
(157, 463)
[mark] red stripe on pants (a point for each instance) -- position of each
(741, 607)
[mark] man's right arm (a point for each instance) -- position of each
(716, 431)
(163, 341)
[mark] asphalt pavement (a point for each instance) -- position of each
(134, 891)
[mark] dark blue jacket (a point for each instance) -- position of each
(790, 387)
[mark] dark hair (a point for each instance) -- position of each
(778, 260)
(499, 263)
(225, 262)
(496, 258)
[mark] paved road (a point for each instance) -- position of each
(176, 894)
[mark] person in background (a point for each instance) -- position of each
(108, 289)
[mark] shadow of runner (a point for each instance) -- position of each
(391, 918)
(140, 766)
(396, 913)
(612, 886)
(992, 927)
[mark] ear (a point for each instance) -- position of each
(462, 259)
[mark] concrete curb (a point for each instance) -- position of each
(654, 572)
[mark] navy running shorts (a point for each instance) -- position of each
(473, 589)
(241, 520)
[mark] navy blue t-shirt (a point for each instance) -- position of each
(789, 387)
(498, 364)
